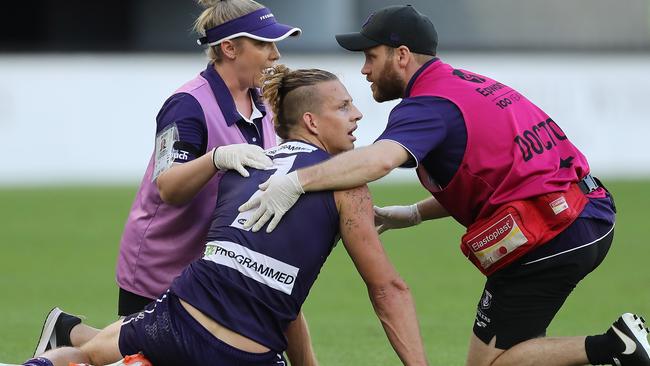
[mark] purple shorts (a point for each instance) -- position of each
(167, 335)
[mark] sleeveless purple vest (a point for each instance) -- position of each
(160, 240)
(514, 150)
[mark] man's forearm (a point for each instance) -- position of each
(430, 209)
(394, 307)
(353, 168)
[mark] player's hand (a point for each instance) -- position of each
(280, 193)
(396, 217)
(237, 156)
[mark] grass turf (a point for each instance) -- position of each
(59, 245)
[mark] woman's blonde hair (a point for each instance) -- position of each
(290, 94)
(217, 12)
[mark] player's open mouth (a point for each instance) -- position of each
(350, 133)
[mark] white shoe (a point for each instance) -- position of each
(633, 332)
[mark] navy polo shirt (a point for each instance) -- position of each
(186, 112)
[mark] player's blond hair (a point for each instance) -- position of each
(217, 12)
(291, 93)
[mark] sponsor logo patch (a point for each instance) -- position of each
(496, 241)
(254, 265)
(181, 155)
(558, 205)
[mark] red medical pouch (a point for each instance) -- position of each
(518, 227)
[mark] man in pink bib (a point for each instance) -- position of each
(537, 221)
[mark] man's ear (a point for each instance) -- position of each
(310, 122)
(403, 55)
(228, 49)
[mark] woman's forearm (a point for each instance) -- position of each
(180, 183)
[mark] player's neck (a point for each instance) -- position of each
(306, 138)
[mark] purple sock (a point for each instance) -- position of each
(39, 361)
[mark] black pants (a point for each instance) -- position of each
(519, 301)
(130, 303)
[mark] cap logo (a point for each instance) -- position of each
(266, 16)
(367, 20)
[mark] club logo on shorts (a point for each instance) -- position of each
(486, 301)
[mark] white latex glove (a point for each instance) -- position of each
(280, 193)
(237, 156)
(396, 217)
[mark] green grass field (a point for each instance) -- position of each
(59, 245)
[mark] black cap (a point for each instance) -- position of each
(394, 26)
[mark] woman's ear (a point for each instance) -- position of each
(310, 123)
(228, 49)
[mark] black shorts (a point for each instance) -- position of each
(519, 301)
(129, 303)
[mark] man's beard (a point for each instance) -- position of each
(388, 86)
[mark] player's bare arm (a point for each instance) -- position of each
(300, 351)
(389, 294)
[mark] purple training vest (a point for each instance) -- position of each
(160, 240)
(514, 150)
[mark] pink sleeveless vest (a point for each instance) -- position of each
(160, 240)
(514, 150)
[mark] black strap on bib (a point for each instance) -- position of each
(588, 184)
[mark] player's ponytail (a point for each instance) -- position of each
(272, 82)
(217, 12)
(290, 95)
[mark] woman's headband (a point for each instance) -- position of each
(259, 25)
